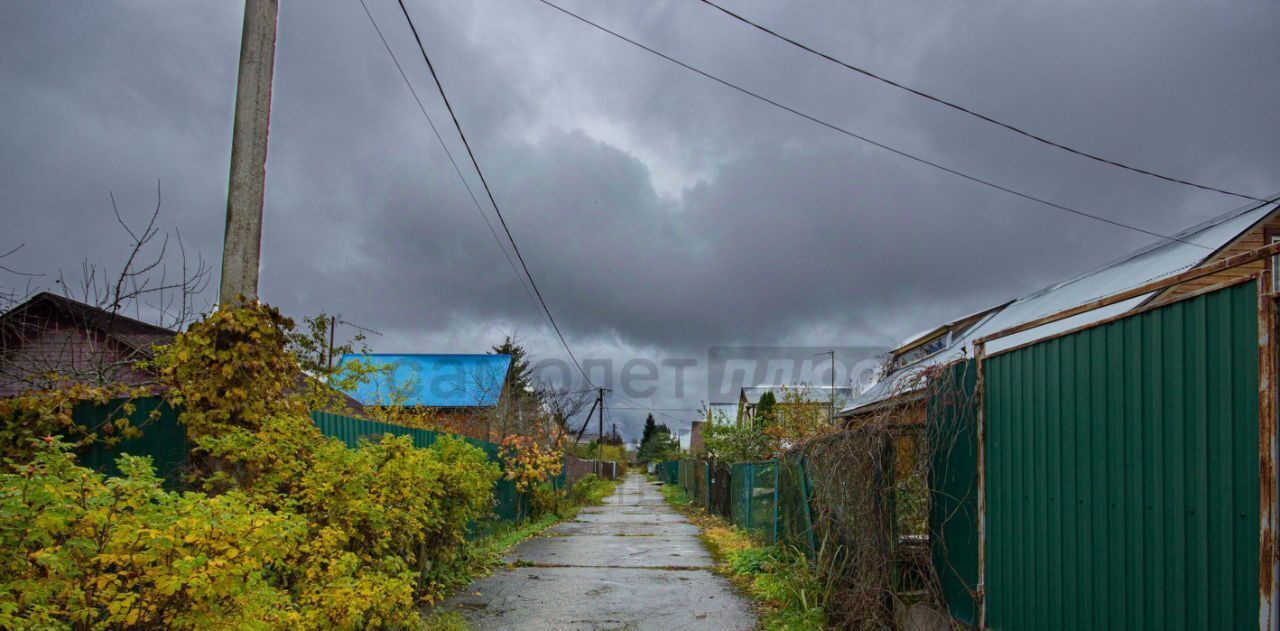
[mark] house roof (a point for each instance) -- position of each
(53, 339)
(136, 334)
(1153, 262)
(434, 380)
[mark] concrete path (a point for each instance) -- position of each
(633, 563)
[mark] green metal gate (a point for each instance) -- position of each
(1122, 472)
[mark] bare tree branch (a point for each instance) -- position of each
(44, 354)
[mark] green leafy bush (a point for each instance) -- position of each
(291, 530)
(590, 489)
(544, 499)
(366, 536)
(79, 549)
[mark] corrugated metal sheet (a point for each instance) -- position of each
(435, 380)
(1156, 261)
(1122, 473)
(352, 430)
(953, 488)
(163, 438)
(669, 472)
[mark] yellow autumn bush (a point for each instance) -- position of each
(285, 528)
(79, 550)
(398, 508)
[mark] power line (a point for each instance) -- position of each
(978, 115)
(866, 139)
(461, 178)
(488, 191)
(639, 406)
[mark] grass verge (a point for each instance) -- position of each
(779, 579)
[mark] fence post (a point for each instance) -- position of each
(777, 464)
(804, 495)
(750, 489)
(707, 467)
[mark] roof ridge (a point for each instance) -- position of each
(67, 302)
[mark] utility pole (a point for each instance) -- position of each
(333, 325)
(600, 434)
(242, 242)
(831, 413)
(833, 386)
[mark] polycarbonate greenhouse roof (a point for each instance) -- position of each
(433, 380)
(1156, 261)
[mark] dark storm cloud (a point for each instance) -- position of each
(662, 214)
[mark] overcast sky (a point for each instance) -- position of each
(661, 214)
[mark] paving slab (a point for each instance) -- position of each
(637, 517)
(628, 509)
(635, 500)
(613, 551)
(623, 529)
(633, 563)
(533, 598)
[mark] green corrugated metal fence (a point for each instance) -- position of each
(1122, 473)
(164, 439)
(508, 503)
(953, 488)
(351, 430)
(668, 472)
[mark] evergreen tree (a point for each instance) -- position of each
(650, 426)
(521, 376)
(657, 444)
(765, 411)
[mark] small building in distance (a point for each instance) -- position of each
(468, 394)
(749, 398)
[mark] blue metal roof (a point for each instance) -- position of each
(434, 380)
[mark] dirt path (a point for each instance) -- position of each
(633, 563)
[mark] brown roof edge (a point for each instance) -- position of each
(871, 408)
(124, 329)
(76, 307)
(1209, 258)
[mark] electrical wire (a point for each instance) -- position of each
(978, 115)
(658, 411)
(461, 178)
(866, 139)
(488, 191)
